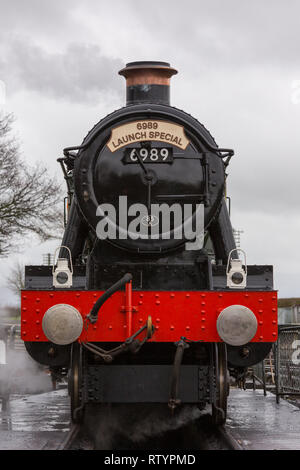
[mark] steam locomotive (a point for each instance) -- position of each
(149, 301)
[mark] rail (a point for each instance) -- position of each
(70, 437)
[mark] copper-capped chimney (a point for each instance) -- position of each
(148, 82)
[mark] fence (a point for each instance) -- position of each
(287, 361)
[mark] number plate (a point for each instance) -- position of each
(151, 155)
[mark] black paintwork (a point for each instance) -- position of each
(173, 273)
(101, 176)
(256, 352)
(102, 384)
(148, 94)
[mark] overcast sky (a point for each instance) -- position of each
(239, 74)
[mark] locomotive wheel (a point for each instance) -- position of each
(75, 383)
(219, 408)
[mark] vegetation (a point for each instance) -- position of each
(30, 199)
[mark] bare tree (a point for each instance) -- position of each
(16, 278)
(30, 199)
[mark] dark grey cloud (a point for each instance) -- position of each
(227, 33)
(78, 74)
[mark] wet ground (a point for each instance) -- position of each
(33, 422)
(41, 421)
(262, 424)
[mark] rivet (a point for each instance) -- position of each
(260, 300)
(125, 326)
(220, 295)
(50, 295)
(274, 334)
(202, 303)
(157, 327)
(246, 295)
(24, 309)
(24, 333)
(38, 299)
(172, 295)
(140, 302)
(187, 295)
(274, 322)
(274, 310)
(140, 320)
(94, 295)
(187, 328)
(157, 302)
(203, 295)
(156, 295)
(261, 337)
(24, 297)
(202, 319)
(141, 295)
(203, 312)
(274, 297)
(37, 336)
(95, 327)
(24, 321)
(158, 320)
(202, 327)
(77, 295)
(110, 327)
(37, 322)
(37, 310)
(261, 322)
(260, 311)
(172, 327)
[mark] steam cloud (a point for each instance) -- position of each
(133, 425)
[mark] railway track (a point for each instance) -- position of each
(71, 437)
(228, 439)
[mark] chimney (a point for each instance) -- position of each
(148, 82)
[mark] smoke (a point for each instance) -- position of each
(81, 73)
(112, 426)
(22, 375)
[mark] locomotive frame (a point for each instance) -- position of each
(141, 320)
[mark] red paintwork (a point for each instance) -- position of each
(128, 301)
(174, 314)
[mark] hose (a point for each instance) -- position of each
(93, 315)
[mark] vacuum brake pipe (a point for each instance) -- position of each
(93, 315)
(173, 400)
